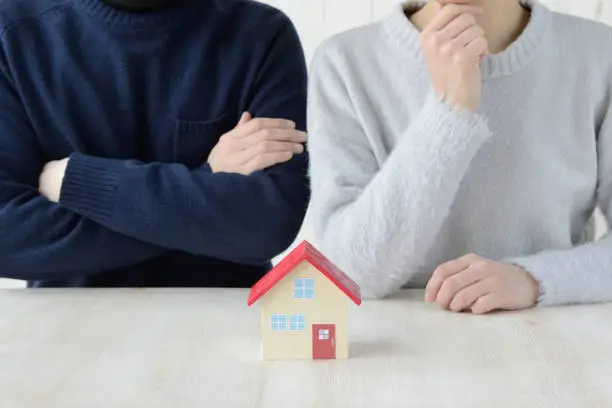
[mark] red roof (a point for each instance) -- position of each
(305, 252)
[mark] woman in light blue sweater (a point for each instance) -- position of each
(463, 148)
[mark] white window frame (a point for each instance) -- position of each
(298, 318)
(279, 318)
(303, 288)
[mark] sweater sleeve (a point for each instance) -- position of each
(377, 221)
(244, 219)
(40, 240)
(582, 274)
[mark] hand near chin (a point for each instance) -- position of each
(453, 44)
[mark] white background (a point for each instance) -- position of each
(319, 19)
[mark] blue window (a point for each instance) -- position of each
(297, 322)
(278, 322)
(304, 288)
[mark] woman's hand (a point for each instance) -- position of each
(453, 44)
(481, 285)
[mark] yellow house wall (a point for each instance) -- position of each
(329, 306)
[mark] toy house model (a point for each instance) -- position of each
(305, 301)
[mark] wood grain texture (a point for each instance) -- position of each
(200, 348)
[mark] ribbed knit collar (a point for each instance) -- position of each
(513, 58)
(137, 20)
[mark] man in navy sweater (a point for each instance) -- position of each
(149, 142)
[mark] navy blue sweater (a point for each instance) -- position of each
(138, 101)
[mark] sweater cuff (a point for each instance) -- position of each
(553, 278)
(454, 119)
(446, 132)
(89, 186)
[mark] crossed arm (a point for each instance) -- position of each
(138, 211)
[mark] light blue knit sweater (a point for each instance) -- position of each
(401, 183)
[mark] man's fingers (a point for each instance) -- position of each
(258, 124)
(265, 146)
(282, 135)
(269, 135)
(465, 298)
(486, 303)
(448, 14)
(269, 146)
(445, 271)
(453, 286)
(245, 118)
(263, 161)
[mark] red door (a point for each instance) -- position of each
(323, 341)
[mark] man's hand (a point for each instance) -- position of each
(51, 178)
(256, 144)
(481, 285)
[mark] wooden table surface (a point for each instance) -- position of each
(197, 348)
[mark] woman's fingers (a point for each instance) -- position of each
(486, 303)
(467, 36)
(466, 297)
(446, 2)
(448, 14)
(455, 285)
(444, 272)
(477, 48)
(456, 27)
